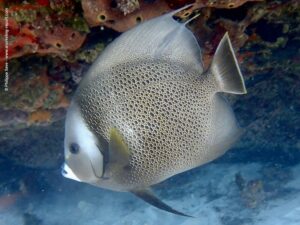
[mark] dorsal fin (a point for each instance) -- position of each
(158, 38)
(225, 69)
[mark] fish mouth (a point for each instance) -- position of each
(67, 172)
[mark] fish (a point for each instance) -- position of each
(147, 110)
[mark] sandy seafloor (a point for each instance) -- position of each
(264, 194)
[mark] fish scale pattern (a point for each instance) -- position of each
(161, 110)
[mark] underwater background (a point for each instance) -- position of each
(257, 182)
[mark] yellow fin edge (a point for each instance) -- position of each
(117, 143)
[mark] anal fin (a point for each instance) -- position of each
(148, 196)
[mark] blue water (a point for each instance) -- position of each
(221, 192)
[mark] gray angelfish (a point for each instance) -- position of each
(146, 110)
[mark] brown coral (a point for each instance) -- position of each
(104, 13)
(36, 28)
(60, 40)
(34, 94)
(39, 116)
(224, 4)
(128, 6)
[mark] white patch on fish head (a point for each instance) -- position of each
(83, 158)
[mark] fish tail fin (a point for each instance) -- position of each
(225, 69)
(148, 196)
(225, 129)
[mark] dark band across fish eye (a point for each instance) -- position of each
(74, 148)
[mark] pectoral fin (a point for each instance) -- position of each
(149, 197)
(118, 150)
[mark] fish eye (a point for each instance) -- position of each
(74, 148)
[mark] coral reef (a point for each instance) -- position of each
(122, 15)
(272, 121)
(43, 27)
(104, 13)
(128, 6)
(34, 94)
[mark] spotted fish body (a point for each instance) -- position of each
(149, 92)
(162, 113)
